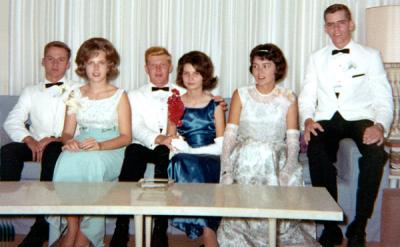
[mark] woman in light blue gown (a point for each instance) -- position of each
(101, 113)
(199, 138)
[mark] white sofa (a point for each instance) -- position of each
(31, 171)
(347, 179)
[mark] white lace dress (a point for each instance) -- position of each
(257, 158)
(96, 119)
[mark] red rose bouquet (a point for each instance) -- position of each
(175, 108)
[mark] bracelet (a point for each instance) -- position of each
(99, 145)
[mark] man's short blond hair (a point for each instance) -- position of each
(156, 51)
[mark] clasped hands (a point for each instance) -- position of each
(90, 144)
(372, 134)
(37, 147)
(174, 143)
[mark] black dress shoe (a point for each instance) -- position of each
(120, 237)
(331, 236)
(159, 236)
(355, 236)
(38, 234)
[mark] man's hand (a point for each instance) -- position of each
(311, 127)
(221, 102)
(42, 145)
(373, 134)
(164, 140)
(34, 146)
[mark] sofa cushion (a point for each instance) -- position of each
(6, 103)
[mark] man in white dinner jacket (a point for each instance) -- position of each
(150, 144)
(346, 94)
(43, 106)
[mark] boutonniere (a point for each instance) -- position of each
(73, 103)
(351, 66)
(65, 91)
(175, 108)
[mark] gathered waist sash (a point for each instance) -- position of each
(199, 140)
(90, 129)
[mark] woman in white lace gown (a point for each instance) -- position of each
(101, 112)
(261, 145)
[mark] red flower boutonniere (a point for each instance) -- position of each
(175, 108)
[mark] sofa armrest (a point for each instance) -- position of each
(4, 138)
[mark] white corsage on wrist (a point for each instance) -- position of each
(73, 103)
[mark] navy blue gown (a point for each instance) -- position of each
(198, 129)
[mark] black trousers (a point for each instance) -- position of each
(136, 158)
(14, 154)
(322, 151)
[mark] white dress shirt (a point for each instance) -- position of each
(149, 113)
(360, 79)
(43, 107)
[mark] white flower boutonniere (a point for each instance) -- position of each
(351, 66)
(64, 91)
(73, 103)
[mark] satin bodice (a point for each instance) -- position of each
(198, 127)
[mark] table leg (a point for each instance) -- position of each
(272, 232)
(138, 230)
(148, 221)
(392, 183)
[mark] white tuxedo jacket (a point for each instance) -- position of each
(43, 107)
(149, 113)
(359, 76)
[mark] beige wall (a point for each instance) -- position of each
(3, 46)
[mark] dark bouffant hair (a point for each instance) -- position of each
(337, 7)
(202, 64)
(272, 53)
(90, 48)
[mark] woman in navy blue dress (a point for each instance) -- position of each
(199, 135)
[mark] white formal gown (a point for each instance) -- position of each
(259, 154)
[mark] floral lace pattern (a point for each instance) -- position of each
(101, 114)
(257, 158)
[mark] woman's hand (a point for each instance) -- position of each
(179, 145)
(90, 144)
(71, 145)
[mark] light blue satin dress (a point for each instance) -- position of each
(96, 119)
(198, 129)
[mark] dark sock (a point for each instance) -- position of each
(123, 221)
(360, 222)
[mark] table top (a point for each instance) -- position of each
(114, 198)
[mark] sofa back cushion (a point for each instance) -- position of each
(7, 102)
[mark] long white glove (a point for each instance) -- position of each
(288, 175)
(230, 142)
(181, 146)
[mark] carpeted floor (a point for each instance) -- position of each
(174, 241)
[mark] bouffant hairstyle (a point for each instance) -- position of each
(337, 7)
(272, 53)
(90, 48)
(156, 51)
(202, 64)
(57, 44)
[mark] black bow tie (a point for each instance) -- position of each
(347, 50)
(47, 85)
(159, 88)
